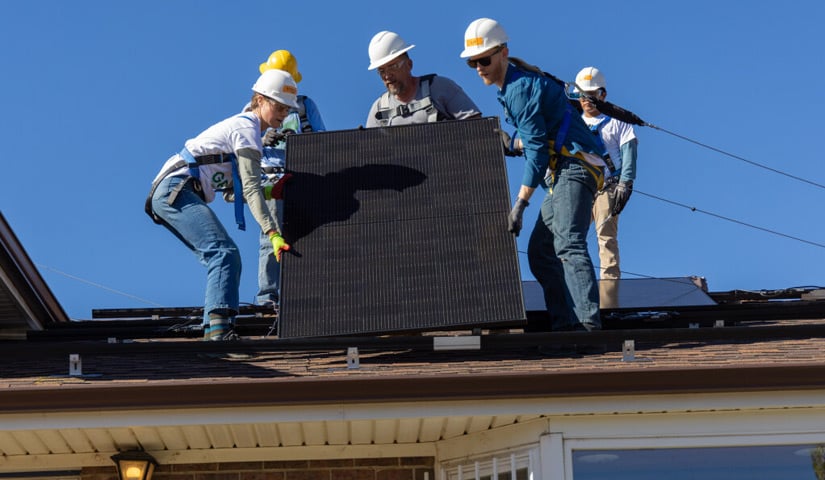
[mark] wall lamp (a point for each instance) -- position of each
(134, 465)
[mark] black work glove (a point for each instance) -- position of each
(514, 219)
(620, 197)
(273, 137)
(507, 141)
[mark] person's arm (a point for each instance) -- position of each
(452, 100)
(249, 169)
(629, 154)
(524, 104)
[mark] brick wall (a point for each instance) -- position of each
(405, 468)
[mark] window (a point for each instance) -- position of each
(759, 462)
(521, 465)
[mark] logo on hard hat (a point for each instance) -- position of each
(289, 89)
(475, 42)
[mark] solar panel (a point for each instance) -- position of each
(398, 229)
(634, 293)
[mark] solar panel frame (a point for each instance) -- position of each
(398, 229)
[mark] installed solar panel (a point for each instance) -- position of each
(398, 229)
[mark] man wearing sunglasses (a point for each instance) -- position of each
(411, 99)
(553, 135)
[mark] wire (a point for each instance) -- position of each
(733, 220)
(148, 302)
(737, 157)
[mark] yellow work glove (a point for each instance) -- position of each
(278, 245)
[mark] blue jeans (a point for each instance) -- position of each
(191, 220)
(269, 270)
(557, 251)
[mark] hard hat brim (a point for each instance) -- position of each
(473, 51)
(292, 103)
(388, 58)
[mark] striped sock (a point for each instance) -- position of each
(219, 326)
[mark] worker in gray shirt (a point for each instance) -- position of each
(410, 99)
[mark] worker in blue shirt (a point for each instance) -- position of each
(561, 152)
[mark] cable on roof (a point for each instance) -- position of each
(88, 282)
(737, 157)
(615, 111)
(733, 220)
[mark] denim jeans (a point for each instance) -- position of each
(557, 251)
(191, 220)
(269, 270)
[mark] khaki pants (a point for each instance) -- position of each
(607, 231)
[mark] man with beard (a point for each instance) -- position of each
(410, 99)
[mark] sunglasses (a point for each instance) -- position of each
(391, 68)
(484, 61)
(589, 96)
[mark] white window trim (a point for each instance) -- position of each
(493, 463)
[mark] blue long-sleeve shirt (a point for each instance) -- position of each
(536, 106)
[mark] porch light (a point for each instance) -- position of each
(134, 465)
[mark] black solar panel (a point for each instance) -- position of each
(398, 229)
(634, 293)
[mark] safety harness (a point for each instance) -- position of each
(385, 114)
(302, 114)
(570, 108)
(194, 163)
(597, 131)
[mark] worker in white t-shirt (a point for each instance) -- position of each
(225, 157)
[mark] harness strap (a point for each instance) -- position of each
(302, 114)
(561, 135)
(237, 187)
(597, 131)
(384, 113)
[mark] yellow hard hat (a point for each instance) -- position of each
(282, 60)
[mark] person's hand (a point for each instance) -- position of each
(620, 197)
(276, 190)
(507, 142)
(514, 220)
(278, 245)
(272, 137)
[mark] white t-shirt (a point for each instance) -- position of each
(228, 136)
(615, 133)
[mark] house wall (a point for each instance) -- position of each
(396, 468)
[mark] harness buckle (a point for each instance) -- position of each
(404, 110)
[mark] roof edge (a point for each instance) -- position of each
(32, 288)
(186, 394)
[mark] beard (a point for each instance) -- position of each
(396, 88)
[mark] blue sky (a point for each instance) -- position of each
(97, 94)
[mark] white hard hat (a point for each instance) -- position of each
(384, 47)
(279, 86)
(589, 79)
(482, 35)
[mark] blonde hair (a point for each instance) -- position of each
(256, 100)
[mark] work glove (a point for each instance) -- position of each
(278, 245)
(273, 137)
(276, 191)
(620, 197)
(507, 142)
(514, 220)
